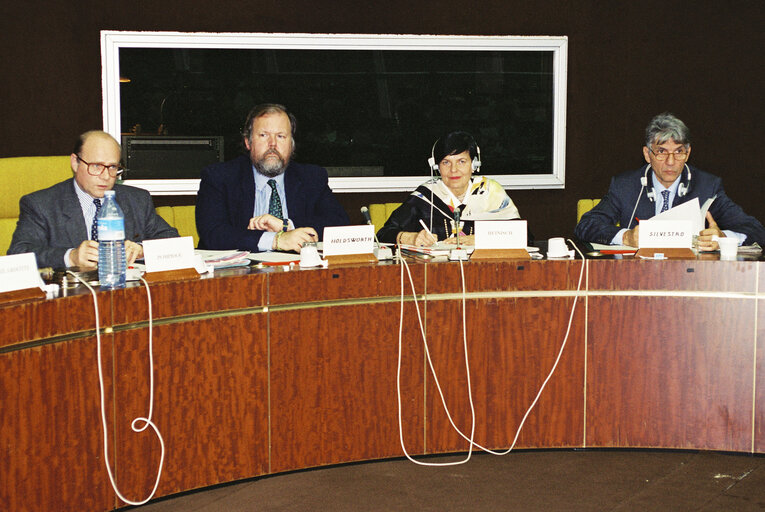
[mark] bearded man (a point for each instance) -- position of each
(263, 201)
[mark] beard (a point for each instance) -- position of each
(271, 167)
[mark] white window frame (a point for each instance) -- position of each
(113, 41)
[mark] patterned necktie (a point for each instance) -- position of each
(94, 226)
(665, 195)
(275, 203)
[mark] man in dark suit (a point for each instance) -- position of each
(264, 201)
(666, 181)
(56, 223)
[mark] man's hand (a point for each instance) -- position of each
(266, 222)
(630, 237)
(294, 240)
(705, 240)
(85, 256)
(133, 251)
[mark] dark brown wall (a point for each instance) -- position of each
(700, 59)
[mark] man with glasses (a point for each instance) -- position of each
(666, 181)
(57, 223)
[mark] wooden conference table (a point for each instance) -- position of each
(265, 371)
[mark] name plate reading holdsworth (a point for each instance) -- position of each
(341, 240)
(665, 234)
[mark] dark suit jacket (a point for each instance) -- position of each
(226, 200)
(51, 221)
(600, 224)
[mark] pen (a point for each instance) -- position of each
(422, 223)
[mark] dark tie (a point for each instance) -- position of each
(275, 204)
(94, 226)
(665, 195)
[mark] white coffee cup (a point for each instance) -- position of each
(557, 248)
(309, 255)
(728, 247)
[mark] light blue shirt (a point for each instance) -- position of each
(658, 201)
(262, 200)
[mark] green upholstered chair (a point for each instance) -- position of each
(379, 213)
(20, 176)
(181, 218)
(583, 206)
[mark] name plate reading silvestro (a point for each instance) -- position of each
(342, 240)
(500, 234)
(169, 254)
(19, 272)
(665, 234)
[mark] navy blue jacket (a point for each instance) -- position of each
(226, 200)
(599, 225)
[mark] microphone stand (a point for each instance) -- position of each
(459, 253)
(381, 253)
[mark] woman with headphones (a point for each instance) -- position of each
(429, 214)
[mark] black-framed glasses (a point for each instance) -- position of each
(96, 169)
(662, 154)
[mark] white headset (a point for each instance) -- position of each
(682, 188)
(475, 164)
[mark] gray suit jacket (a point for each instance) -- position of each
(51, 221)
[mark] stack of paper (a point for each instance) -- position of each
(224, 259)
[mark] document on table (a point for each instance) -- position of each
(688, 211)
(274, 258)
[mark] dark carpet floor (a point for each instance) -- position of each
(597, 480)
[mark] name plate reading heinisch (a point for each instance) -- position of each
(169, 254)
(19, 272)
(341, 240)
(665, 234)
(500, 234)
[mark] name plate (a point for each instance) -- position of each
(500, 234)
(169, 254)
(341, 240)
(19, 272)
(665, 234)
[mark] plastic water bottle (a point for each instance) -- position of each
(112, 265)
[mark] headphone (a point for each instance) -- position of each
(475, 165)
(682, 188)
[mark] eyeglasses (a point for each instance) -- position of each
(96, 169)
(661, 155)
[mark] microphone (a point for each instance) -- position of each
(382, 253)
(459, 253)
(457, 225)
(365, 213)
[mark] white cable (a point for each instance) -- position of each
(147, 421)
(430, 364)
(541, 389)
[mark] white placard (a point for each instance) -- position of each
(169, 254)
(19, 272)
(341, 240)
(500, 234)
(665, 234)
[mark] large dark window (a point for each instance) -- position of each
(366, 114)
